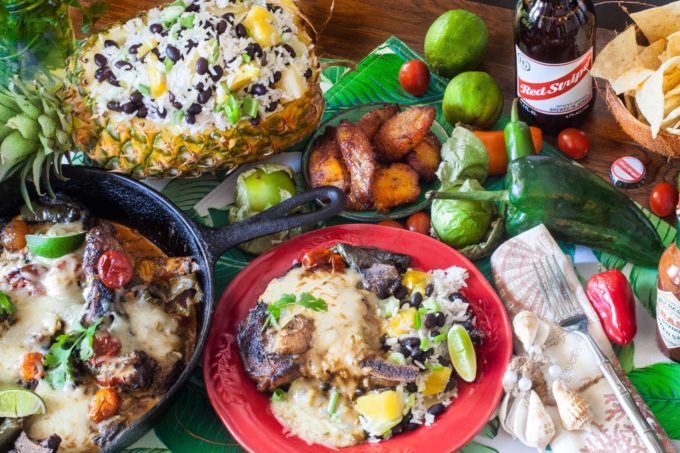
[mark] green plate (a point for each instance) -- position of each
(353, 115)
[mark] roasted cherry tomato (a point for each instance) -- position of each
(323, 258)
(573, 143)
(663, 199)
(104, 404)
(114, 269)
(32, 367)
(414, 77)
(104, 346)
(419, 222)
(391, 224)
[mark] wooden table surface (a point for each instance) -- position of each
(358, 26)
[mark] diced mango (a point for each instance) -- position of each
(246, 73)
(293, 83)
(259, 25)
(402, 323)
(416, 281)
(387, 405)
(157, 80)
(436, 381)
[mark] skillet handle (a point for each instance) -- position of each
(274, 219)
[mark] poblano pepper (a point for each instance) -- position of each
(575, 205)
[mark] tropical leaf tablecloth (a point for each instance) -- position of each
(190, 425)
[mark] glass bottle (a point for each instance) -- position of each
(668, 300)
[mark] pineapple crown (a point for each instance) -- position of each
(36, 132)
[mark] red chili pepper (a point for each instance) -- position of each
(612, 297)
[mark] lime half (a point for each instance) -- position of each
(54, 246)
(462, 352)
(18, 402)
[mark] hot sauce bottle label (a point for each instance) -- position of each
(668, 318)
(554, 89)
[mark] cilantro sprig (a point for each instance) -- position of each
(58, 360)
(7, 308)
(305, 300)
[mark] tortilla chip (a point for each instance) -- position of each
(618, 57)
(650, 98)
(657, 23)
(631, 80)
(648, 58)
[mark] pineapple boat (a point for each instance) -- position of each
(188, 88)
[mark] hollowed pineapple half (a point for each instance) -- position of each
(196, 87)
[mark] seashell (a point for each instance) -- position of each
(508, 399)
(540, 428)
(517, 417)
(573, 408)
(525, 326)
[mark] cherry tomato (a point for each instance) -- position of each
(573, 143)
(104, 346)
(114, 269)
(391, 224)
(419, 222)
(414, 77)
(663, 199)
(323, 258)
(104, 404)
(32, 367)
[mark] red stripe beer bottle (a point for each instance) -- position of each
(555, 48)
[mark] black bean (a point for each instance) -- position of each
(110, 43)
(398, 429)
(229, 17)
(255, 121)
(358, 392)
(193, 8)
(400, 292)
(114, 106)
(221, 27)
(123, 65)
(162, 113)
(164, 33)
(434, 333)
(100, 60)
(457, 296)
(216, 73)
(241, 31)
(200, 86)
(436, 409)
(405, 351)
(259, 89)
(430, 321)
(254, 50)
(416, 299)
(142, 112)
(136, 97)
(411, 387)
(444, 361)
(410, 342)
(264, 59)
(190, 119)
(429, 289)
(195, 109)
(178, 105)
(417, 354)
(156, 52)
(129, 108)
(272, 106)
(134, 49)
(412, 426)
(156, 28)
(325, 386)
(102, 74)
(453, 382)
(205, 95)
(289, 49)
(277, 76)
(171, 96)
(440, 319)
(173, 53)
(113, 80)
(427, 354)
(202, 66)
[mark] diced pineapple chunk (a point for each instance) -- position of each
(292, 83)
(246, 73)
(416, 281)
(402, 323)
(383, 406)
(157, 81)
(259, 25)
(436, 381)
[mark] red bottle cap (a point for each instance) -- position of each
(628, 172)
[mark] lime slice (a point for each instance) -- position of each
(18, 402)
(54, 246)
(462, 352)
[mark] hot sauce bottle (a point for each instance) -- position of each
(668, 300)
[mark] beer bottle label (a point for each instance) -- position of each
(554, 89)
(668, 318)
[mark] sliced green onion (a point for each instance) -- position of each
(431, 306)
(250, 107)
(168, 64)
(434, 367)
(279, 395)
(187, 21)
(246, 57)
(425, 344)
(144, 90)
(439, 338)
(418, 320)
(333, 402)
(178, 116)
(7, 308)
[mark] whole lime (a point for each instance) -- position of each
(473, 98)
(456, 42)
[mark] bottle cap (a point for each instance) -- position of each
(628, 172)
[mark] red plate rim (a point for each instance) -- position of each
(245, 412)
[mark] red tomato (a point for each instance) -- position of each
(114, 269)
(391, 224)
(663, 199)
(573, 143)
(419, 222)
(414, 77)
(104, 346)
(323, 258)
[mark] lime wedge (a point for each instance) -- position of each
(462, 352)
(54, 246)
(18, 402)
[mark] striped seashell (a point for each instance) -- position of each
(540, 428)
(573, 408)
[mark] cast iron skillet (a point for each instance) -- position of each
(122, 199)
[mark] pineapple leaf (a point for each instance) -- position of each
(37, 168)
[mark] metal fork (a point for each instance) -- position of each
(569, 314)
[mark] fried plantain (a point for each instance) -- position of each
(425, 157)
(395, 185)
(370, 123)
(403, 132)
(361, 162)
(326, 165)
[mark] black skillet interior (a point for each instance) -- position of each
(119, 198)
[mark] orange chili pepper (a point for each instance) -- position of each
(104, 404)
(494, 141)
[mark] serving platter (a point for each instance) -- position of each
(246, 412)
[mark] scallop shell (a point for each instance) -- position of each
(540, 428)
(573, 408)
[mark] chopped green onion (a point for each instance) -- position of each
(246, 57)
(187, 21)
(425, 344)
(397, 358)
(333, 402)
(279, 395)
(431, 306)
(214, 51)
(434, 367)
(232, 110)
(178, 116)
(418, 320)
(168, 64)
(144, 90)
(250, 107)
(7, 308)
(391, 306)
(439, 338)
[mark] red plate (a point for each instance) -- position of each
(246, 412)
